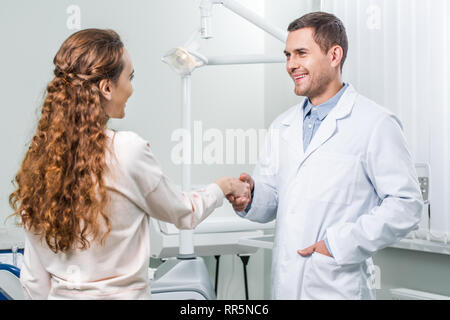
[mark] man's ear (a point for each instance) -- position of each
(335, 53)
(105, 89)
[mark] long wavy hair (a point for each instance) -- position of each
(60, 192)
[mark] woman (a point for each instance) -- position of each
(85, 193)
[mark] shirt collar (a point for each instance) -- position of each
(324, 108)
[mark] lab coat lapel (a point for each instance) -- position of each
(328, 127)
(292, 131)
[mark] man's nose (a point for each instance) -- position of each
(292, 65)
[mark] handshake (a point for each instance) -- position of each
(237, 191)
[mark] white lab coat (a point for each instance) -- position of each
(355, 183)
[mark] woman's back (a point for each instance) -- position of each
(119, 268)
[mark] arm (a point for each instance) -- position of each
(263, 203)
(392, 173)
(187, 210)
(144, 182)
(34, 279)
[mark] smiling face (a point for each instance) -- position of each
(312, 70)
(117, 93)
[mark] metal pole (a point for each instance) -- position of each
(186, 236)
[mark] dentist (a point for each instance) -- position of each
(336, 175)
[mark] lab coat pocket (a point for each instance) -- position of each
(325, 279)
(332, 178)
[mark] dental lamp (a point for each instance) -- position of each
(183, 61)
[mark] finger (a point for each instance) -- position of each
(246, 200)
(231, 198)
(247, 178)
(322, 248)
(243, 177)
(245, 204)
(239, 209)
(307, 251)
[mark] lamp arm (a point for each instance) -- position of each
(236, 7)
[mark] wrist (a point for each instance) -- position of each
(225, 184)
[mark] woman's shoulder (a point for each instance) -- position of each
(127, 141)
(127, 146)
(133, 156)
(125, 137)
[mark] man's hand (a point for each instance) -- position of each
(319, 247)
(240, 203)
(240, 189)
(235, 188)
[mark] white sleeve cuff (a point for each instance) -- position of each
(217, 192)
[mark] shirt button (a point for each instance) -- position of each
(310, 126)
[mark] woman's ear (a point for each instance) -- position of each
(105, 89)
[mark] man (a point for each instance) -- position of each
(336, 175)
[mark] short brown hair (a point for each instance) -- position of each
(328, 31)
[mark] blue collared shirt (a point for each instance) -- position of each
(312, 119)
(314, 115)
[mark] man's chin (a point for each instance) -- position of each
(299, 92)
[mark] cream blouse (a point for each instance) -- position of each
(138, 189)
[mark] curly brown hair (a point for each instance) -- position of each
(60, 191)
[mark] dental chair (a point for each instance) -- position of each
(10, 287)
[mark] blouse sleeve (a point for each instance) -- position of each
(185, 210)
(162, 199)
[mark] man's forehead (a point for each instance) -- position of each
(301, 38)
